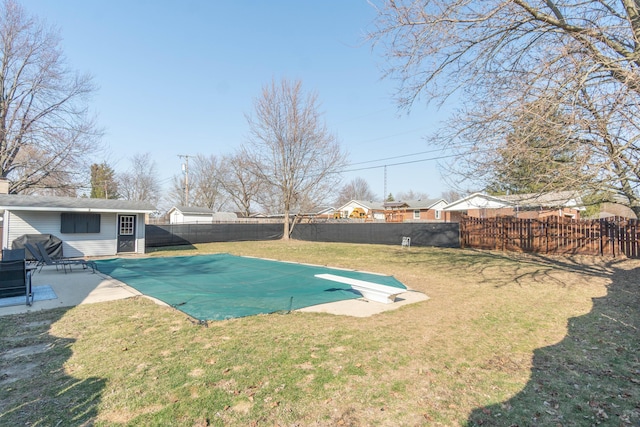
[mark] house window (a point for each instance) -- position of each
(438, 214)
(79, 223)
(127, 225)
(416, 214)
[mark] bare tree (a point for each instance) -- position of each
(356, 189)
(176, 194)
(45, 129)
(205, 185)
(450, 195)
(140, 182)
(411, 195)
(290, 150)
(239, 183)
(578, 59)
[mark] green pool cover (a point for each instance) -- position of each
(223, 286)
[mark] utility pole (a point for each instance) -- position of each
(384, 195)
(185, 170)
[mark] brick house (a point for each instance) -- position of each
(533, 206)
(402, 211)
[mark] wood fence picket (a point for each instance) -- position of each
(553, 235)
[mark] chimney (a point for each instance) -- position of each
(4, 186)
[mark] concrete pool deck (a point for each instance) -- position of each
(84, 287)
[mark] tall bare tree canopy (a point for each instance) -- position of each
(356, 189)
(290, 150)
(580, 59)
(239, 183)
(45, 129)
(204, 182)
(140, 182)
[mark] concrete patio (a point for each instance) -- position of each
(73, 288)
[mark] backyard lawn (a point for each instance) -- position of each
(505, 339)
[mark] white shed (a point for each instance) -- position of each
(87, 227)
(190, 215)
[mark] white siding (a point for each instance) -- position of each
(349, 207)
(140, 233)
(73, 245)
(439, 206)
(476, 202)
(198, 219)
(176, 217)
(179, 218)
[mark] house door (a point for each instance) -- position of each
(126, 233)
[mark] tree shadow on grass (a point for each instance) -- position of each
(592, 376)
(34, 387)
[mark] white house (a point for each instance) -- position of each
(481, 205)
(401, 211)
(87, 227)
(197, 215)
(369, 208)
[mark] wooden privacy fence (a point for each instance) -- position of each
(553, 235)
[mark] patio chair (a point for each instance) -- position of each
(14, 254)
(35, 254)
(64, 262)
(41, 261)
(15, 280)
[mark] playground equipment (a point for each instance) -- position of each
(358, 213)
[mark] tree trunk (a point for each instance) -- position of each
(285, 232)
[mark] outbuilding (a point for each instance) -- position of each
(86, 227)
(198, 215)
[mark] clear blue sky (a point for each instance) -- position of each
(178, 77)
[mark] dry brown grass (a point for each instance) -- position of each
(505, 339)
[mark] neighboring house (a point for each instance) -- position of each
(319, 212)
(415, 210)
(618, 206)
(609, 209)
(403, 211)
(198, 215)
(87, 227)
(366, 209)
(534, 206)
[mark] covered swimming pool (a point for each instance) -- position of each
(224, 286)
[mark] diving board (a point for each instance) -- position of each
(371, 291)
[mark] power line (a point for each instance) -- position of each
(410, 162)
(435, 150)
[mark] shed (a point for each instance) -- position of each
(87, 227)
(190, 215)
(198, 215)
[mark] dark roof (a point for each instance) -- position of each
(395, 205)
(50, 203)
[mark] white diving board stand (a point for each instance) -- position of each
(371, 291)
